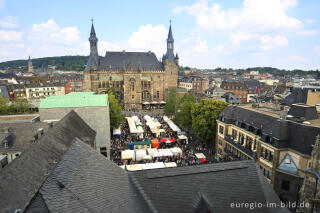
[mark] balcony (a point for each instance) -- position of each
(241, 148)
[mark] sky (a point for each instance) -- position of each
(208, 33)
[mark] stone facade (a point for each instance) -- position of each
(136, 77)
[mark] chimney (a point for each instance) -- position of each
(40, 132)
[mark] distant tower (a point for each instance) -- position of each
(170, 46)
(93, 61)
(30, 66)
(170, 64)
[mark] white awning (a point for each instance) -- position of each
(154, 102)
(139, 154)
(176, 151)
(200, 155)
(145, 103)
(134, 167)
(157, 165)
(152, 151)
(170, 164)
(127, 154)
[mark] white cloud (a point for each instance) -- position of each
(50, 33)
(10, 35)
(296, 58)
(307, 33)
(269, 42)
(8, 22)
(309, 21)
(254, 16)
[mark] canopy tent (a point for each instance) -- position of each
(162, 102)
(162, 130)
(176, 151)
(154, 102)
(183, 137)
(157, 165)
(166, 152)
(139, 143)
(170, 164)
(152, 151)
(132, 125)
(139, 154)
(146, 103)
(155, 143)
(157, 154)
(127, 154)
(116, 132)
(147, 157)
(174, 127)
(134, 167)
(200, 155)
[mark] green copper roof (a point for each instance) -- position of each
(75, 99)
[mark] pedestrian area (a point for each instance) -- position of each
(145, 142)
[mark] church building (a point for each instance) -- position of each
(138, 78)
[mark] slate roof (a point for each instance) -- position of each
(23, 133)
(22, 178)
(307, 112)
(85, 181)
(179, 189)
(127, 60)
(284, 133)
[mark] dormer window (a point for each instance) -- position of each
(5, 144)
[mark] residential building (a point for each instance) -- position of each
(231, 98)
(279, 140)
(62, 173)
(239, 89)
(17, 133)
(74, 86)
(137, 77)
(304, 94)
(186, 85)
(216, 93)
(42, 90)
(92, 108)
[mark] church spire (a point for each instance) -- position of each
(93, 60)
(170, 44)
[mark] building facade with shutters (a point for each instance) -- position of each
(138, 78)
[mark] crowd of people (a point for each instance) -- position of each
(187, 158)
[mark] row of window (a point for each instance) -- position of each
(236, 152)
(267, 154)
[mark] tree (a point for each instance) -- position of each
(115, 111)
(18, 106)
(204, 115)
(171, 105)
(184, 117)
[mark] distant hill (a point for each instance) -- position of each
(68, 63)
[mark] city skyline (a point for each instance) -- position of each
(208, 34)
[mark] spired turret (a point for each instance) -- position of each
(93, 61)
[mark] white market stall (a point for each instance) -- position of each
(134, 167)
(166, 152)
(132, 125)
(152, 151)
(157, 155)
(171, 124)
(183, 137)
(116, 133)
(170, 164)
(200, 155)
(176, 151)
(157, 165)
(139, 154)
(127, 154)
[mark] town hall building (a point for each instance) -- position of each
(138, 78)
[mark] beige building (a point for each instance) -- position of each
(281, 143)
(36, 91)
(138, 78)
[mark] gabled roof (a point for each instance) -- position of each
(177, 189)
(132, 61)
(22, 178)
(288, 165)
(85, 181)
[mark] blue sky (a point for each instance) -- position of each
(208, 33)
